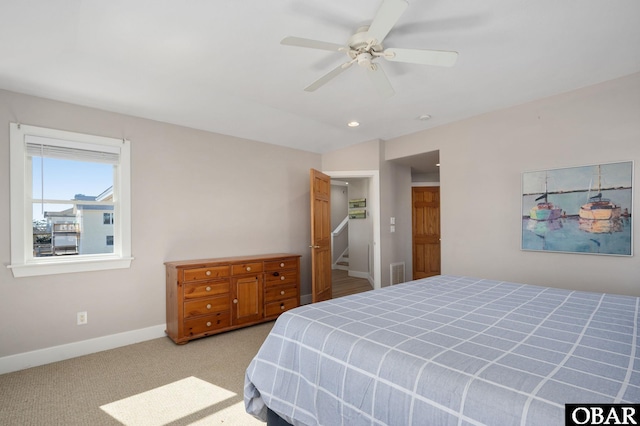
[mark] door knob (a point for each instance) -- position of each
(314, 246)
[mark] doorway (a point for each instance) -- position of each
(423, 248)
(425, 213)
(373, 210)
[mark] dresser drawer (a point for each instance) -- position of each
(276, 308)
(246, 268)
(205, 289)
(209, 323)
(196, 274)
(278, 265)
(283, 277)
(197, 307)
(273, 293)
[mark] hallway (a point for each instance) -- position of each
(344, 285)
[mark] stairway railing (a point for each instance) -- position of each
(337, 232)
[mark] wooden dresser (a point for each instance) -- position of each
(209, 296)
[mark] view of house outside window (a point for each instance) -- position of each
(73, 210)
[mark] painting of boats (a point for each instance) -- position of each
(584, 209)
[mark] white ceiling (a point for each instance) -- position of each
(219, 66)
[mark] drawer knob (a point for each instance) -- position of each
(207, 273)
(282, 306)
(282, 278)
(282, 292)
(282, 264)
(208, 288)
(208, 323)
(248, 268)
(235, 300)
(209, 306)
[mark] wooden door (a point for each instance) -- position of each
(247, 299)
(320, 188)
(425, 201)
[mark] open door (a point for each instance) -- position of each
(320, 188)
(426, 231)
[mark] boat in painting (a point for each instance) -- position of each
(599, 208)
(545, 210)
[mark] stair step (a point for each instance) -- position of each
(342, 263)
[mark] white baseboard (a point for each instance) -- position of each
(44, 356)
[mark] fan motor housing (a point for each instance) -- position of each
(359, 43)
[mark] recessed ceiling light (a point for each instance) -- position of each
(424, 117)
(353, 124)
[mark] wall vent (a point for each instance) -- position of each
(397, 273)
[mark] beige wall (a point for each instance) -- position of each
(197, 194)
(194, 194)
(482, 161)
(394, 189)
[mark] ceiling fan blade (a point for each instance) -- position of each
(313, 44)
(442, 58)
(380, 81)
(327, 77)
(386, 17)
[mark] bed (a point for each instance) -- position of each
(447, 350)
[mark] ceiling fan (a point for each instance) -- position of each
(365, 47)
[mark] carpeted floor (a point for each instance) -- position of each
(151, 383)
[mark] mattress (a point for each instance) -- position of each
(447, 350)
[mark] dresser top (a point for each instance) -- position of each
(227, 260)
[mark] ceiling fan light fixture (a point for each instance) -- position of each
(366, 45)
(364, 59)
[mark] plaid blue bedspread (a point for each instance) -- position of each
(448, 350)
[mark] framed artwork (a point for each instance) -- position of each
(358, 203)
(584, 209)
(357, 214)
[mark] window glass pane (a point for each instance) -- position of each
(63, 179)
(77, 228)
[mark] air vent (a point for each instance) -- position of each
(397, 273)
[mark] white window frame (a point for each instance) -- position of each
(23, 263)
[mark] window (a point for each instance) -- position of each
(70, 193)
(107, 218)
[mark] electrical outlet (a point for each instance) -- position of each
(82, 317)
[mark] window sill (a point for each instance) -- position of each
(65, 266)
